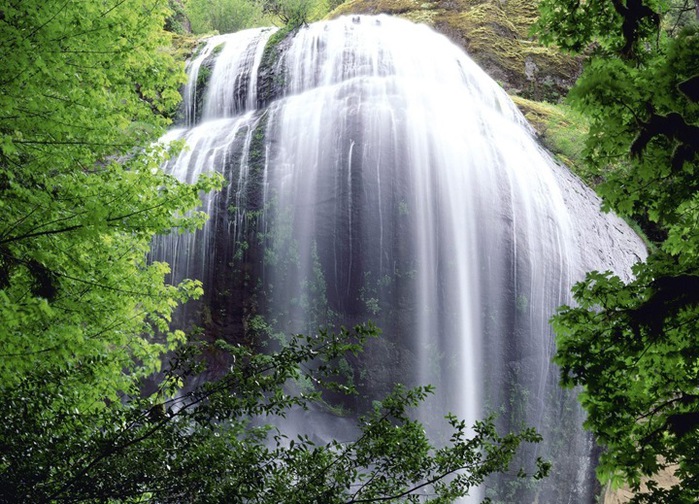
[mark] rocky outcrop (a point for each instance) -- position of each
(495, 33)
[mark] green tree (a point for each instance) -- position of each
(84, 87)
(293, 13)
(177, 20)
(224, 16)
(632, 346)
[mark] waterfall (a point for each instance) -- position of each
(375, 172)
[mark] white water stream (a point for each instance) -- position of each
(385, 176)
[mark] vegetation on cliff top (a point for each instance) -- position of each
(228, 16)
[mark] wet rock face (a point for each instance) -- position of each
(202, 83)
(272, 76)
(375, 172)
(496, 36)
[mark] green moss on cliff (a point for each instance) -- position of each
(270, 80)
(562, 131)
(184, 45)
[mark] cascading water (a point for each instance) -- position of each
(375, 172)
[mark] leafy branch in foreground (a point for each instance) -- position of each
(632, 345)
(217, 442)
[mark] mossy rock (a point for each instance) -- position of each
(184, 45)
(539, 114)
(495, 33)
(562, 131)
(271, 78)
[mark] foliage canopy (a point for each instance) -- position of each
(84, 87)
(224, 16)
(632, 345)
(228, 16)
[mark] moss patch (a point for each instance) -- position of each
(184, 45)
(270, 79)
(562, 131)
